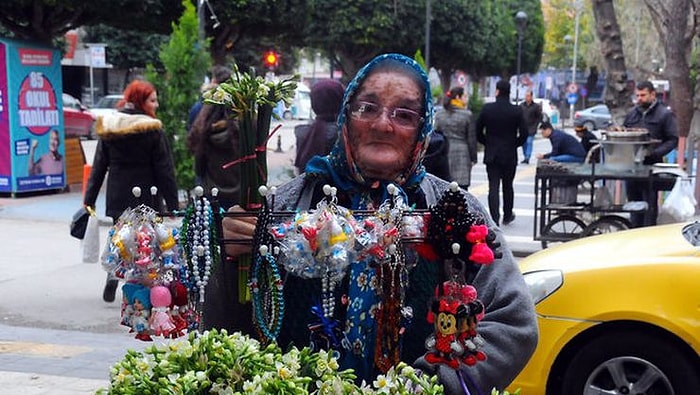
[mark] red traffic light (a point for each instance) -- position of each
(271, 59)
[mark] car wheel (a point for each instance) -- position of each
(287, 115)
(606, 224)
(630, 363)
(562, 228)
(590, 125)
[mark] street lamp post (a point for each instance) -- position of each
(577, 11)
(428, 16)
(520, 22)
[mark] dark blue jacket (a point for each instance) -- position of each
(565, 144)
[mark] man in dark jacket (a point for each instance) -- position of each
(589, 141)
(565, 147)
(652, 115)
(501, 129)
(533, 116)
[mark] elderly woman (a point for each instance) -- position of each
(385, 120)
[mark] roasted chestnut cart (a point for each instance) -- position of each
(575, 200)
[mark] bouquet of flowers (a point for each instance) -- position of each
(217, 363)
(251, 99)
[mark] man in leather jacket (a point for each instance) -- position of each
(651, 114)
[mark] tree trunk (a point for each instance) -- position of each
(618, 91)
(676, 32)
(445, 80)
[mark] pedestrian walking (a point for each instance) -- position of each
(456, 124)
(219, 74)
(501, 128)
(133, 148)
(318, 137)
(213, 139)
(533, 116)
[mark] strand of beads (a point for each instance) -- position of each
(267, 291)
(201, 246)
(328, 285)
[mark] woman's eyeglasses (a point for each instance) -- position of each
(399, 116)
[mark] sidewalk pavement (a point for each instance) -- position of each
(57, 336)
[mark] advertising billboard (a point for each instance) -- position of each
(32, 155)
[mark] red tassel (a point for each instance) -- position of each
(482, 254)
(477, 233)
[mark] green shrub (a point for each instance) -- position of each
(185, 61)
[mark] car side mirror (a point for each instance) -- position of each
(691, 232)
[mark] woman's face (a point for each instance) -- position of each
(382, 148)
(151, 104)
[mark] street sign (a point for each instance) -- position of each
(461, 79)
(572, 98)
(97, 55)
(572, 88)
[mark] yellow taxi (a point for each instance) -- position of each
(618, 313)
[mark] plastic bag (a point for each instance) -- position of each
(680, 202)
(91, 241)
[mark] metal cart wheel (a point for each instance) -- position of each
(562, 228)
(607, 224)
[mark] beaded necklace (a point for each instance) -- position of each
(267, 295)
(265, 280)
(201, 247)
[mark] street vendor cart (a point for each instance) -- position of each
(575, 200)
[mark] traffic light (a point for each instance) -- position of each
(271, 59)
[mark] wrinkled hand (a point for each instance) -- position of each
(238, 228)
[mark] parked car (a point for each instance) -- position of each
(77, 120)
(300, 107)
(617, 314)
(594, 118)
(106, 105)
(550, 112)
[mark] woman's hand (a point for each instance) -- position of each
(240, 228)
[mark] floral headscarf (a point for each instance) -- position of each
(342, 168)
